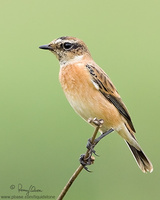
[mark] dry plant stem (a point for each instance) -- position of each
(71, 180)
(98, 124)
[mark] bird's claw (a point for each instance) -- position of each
(90, 159)
(86, 161)
(90, 147)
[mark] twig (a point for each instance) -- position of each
(98, 124)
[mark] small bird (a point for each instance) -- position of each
(92, 94)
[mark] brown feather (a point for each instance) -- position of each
(109, 92)
(141, 159)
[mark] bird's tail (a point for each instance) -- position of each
(143, 162)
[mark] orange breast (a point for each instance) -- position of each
(86, 100)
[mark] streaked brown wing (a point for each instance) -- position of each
(108, 90)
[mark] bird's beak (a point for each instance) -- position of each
(46, 47)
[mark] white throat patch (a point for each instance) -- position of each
(74, 60)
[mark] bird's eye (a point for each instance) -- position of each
(67, 45)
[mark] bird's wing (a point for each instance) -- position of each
(102, 82)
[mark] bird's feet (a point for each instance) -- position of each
(88, 159)
(84, 161)
(90, 146)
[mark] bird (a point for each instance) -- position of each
(91, 93)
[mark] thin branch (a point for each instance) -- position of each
(71, 180)
(98, 124)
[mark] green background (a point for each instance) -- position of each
(41, 137)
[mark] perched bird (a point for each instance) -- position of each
(91, 93)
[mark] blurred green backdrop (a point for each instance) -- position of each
(41, 137)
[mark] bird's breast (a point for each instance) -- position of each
(76, 85)
(83, 96)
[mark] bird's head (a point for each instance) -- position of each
(67, 48)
